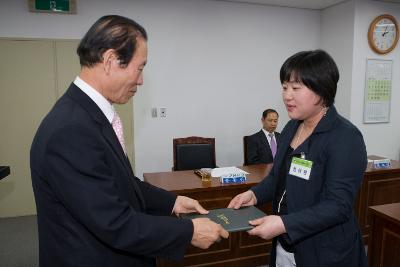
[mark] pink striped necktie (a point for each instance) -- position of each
(119, 129)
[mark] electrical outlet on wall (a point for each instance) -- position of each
(163, 112)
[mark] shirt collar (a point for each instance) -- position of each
(267, 133)
(97, 98)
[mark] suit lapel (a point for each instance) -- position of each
(263, 138)
(264, 141)
(285, 143)
(108, 132)
(325, 124)
(276, 137)
(112, 139)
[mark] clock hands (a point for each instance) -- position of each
(385, 32)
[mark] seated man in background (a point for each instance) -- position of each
(262, 146)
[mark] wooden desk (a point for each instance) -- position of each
(380, 186)
(240, 249)
(384, 243)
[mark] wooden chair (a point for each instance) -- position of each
(245, 159)
(193, 153)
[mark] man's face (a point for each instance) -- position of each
(270, 122)
(125, 79)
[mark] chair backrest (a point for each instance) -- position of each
(193, 153)
(245, 160)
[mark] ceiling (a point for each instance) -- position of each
(311, 4)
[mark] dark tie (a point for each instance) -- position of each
(273, 144)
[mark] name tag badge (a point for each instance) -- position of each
(300, 168)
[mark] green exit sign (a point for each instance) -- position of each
(53, 6)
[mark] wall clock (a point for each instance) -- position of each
(383, 34)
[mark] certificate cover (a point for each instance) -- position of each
(232, 220)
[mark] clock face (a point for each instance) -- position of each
(383, 34)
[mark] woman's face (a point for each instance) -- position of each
(300, 101)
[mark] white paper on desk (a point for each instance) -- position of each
(218, 172)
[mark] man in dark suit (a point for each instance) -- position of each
(262, 146)
(91, 209)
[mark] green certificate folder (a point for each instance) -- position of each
(232, 220)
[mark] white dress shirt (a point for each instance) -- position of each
(97, 98)
(269, 137)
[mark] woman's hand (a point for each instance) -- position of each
(267, 227)
(244, 199)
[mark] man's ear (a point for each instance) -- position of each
(109, 58)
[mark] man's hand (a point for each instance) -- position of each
(187, 205)
(267, 227)
(206, 233)
(244, 199)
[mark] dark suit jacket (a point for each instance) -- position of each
(320, 222)
(258, 149)
(91, 209)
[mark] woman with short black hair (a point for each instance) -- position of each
(317, 172)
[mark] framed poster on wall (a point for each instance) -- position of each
(378, 90)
